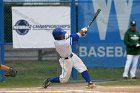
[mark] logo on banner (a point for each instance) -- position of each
(22, 27)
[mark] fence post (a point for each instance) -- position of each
(2, 37)
(39, 55)
(73, 31)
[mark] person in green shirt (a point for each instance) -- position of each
(132, 43)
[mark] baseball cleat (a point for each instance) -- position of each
(46, 83)
(125, 78)
(91, 85)
(134, 78)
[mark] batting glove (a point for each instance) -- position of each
(84, 29)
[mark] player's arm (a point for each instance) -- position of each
(138, 44)
(81, 33)
(139, 37)
(127, 41)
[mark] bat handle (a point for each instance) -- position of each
(87, 27)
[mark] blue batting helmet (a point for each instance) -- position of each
(58, 33)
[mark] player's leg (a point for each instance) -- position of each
(134, 67)
(66, 66)
(80, 67)
(127, 66)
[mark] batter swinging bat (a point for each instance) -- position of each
(96, 14)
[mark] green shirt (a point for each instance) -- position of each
(132, 38)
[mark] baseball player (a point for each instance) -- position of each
(9, 71)
(67, 60)
(132, 42)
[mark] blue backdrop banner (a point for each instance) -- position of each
(103, 46)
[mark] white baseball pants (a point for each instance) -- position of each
(131, 59)
(67, 64)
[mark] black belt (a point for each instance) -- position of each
(69, 56)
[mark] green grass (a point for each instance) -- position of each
(104, 74)
(32, 74)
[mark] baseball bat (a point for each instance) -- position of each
(94, 17)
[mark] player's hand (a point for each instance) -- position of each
(84, 29)
(83, 32)
(137, 45)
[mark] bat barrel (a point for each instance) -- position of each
(96, 14)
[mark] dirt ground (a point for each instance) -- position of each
(76, 88)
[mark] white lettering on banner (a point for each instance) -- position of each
(102, 51)
(83, 51)
(109, 52)
(118, 52)
(21, 27)
(123, 11)
(92, 52)
(103, 17)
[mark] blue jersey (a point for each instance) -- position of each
(74, 37)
